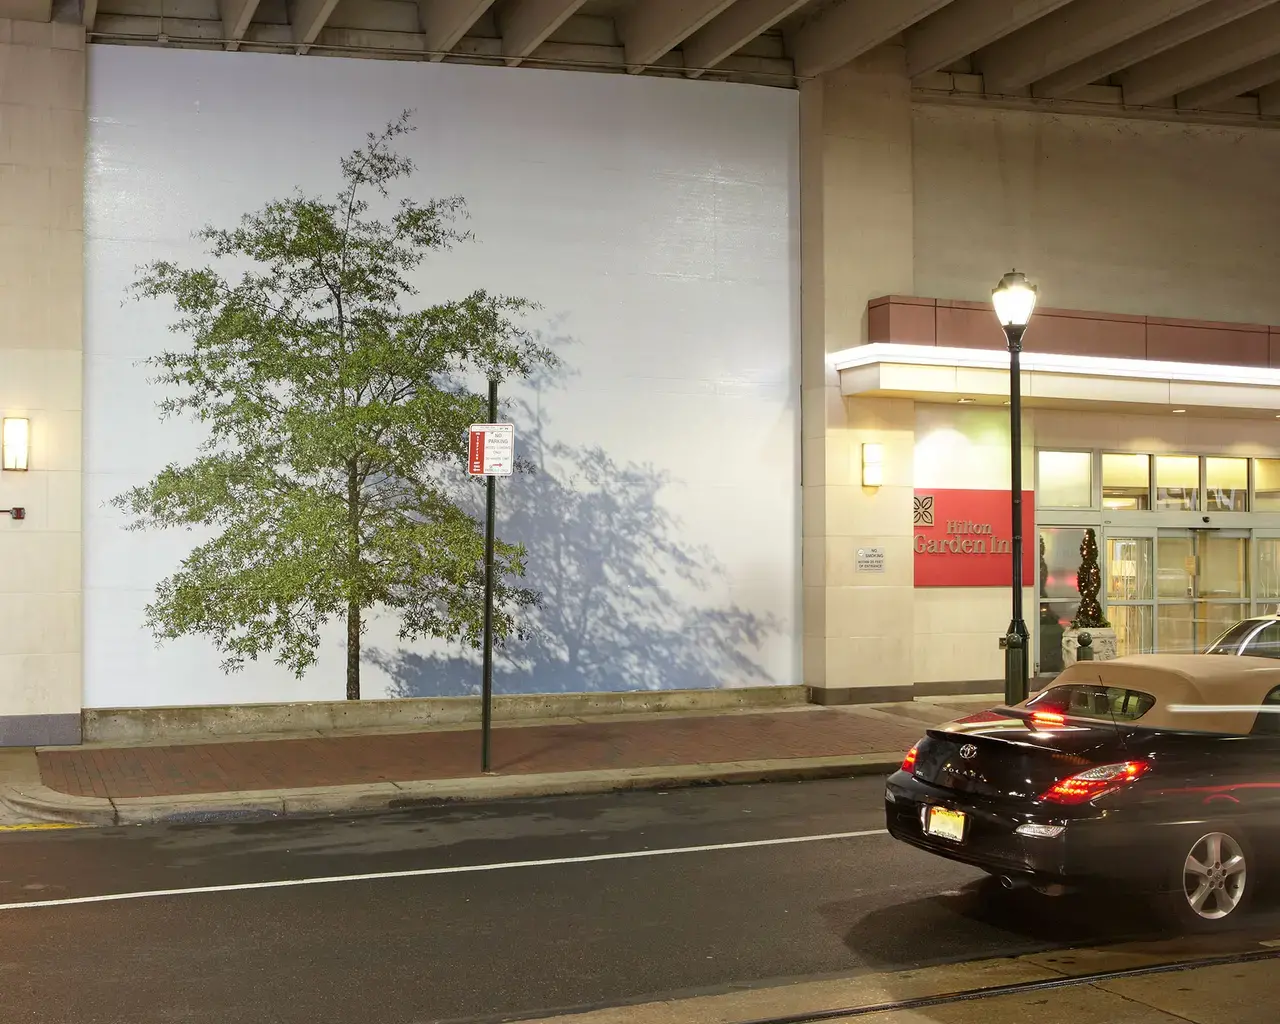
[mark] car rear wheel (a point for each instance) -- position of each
(1212, 880)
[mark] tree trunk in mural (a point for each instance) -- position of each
(336, 420)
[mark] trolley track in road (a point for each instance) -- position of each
(914, 1003)
(1022, 988)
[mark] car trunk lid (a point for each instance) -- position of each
(1011, 754)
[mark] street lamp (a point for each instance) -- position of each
(1014, 299)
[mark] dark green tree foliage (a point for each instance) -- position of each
(336, 416)
(1089, 583)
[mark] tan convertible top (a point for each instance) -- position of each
(1194, 692)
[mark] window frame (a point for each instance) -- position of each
(1095, 481)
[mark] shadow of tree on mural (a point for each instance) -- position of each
(610, 562)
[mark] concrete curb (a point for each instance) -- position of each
(40, 803)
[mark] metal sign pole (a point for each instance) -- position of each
(486, 708)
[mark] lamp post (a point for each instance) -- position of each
(1014, 299)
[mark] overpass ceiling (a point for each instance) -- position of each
(1200, 59)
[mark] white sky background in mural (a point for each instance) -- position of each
(653, 220)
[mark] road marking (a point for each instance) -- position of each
(459, 869)
(38, 826)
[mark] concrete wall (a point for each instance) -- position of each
(907, 198)
(1121, 216)
(957, 629)
(653, 220)
(857, 244)
(42, 91)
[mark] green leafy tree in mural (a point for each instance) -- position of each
(1089, 583)
(335, 417)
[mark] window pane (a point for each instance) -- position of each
(1223, 569)
(1268, 569)
(1178, 482)
(1226, 485)
(1064, 479)
(1084, 701)
(1055, 619)
(1126, 482)
(1128, 568)
(1214, 619)
(1177, 568)
(1177, 627)
(1132, 623)
(1266, 485)
(1059, 560)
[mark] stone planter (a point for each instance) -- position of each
(1104, 644)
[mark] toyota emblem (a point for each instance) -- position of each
(969, 751)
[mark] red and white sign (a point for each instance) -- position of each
(491, 449)
(963, 538)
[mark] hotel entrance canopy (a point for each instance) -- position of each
(944, 351)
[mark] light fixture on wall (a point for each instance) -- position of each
(15, 433)
(872, 465)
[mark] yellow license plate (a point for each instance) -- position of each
(946, 824)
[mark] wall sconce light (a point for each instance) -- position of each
(15, 433)
(872, 465)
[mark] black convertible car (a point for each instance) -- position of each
(1155, 774)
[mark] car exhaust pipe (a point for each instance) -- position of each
(1011, 883)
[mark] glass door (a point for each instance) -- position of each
(1202, 586)
(1266, 580)
(1130, 601)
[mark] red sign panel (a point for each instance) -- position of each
(963, 538)
(491, 449)
(475, 453)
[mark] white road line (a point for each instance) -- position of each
(459, 869)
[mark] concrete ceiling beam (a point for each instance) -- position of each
(964, 26)
(1269, 100)
(236, 17)
(731, 30)
(1253, 76)
(1242, 42)
(307, 18)
(1175, 32)
(444, 22)
(1069, 35)
(841, 33)
(653, 28)
(527, 24)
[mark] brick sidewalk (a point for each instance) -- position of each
(246, 766)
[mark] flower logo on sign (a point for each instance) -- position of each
(922, 510)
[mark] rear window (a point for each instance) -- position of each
(1230, 641)
(1107, 703)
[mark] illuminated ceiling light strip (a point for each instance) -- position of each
(1039, 362)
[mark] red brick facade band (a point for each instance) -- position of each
(953, 323)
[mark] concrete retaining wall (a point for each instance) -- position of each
(147, 725)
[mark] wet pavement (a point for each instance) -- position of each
(479, 912)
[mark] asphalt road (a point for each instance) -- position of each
(463, 944)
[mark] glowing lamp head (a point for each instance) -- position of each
(1014, 299)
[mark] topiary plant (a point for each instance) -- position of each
(1089, 583)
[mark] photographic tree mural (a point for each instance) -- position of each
(629, 602)
(336, 416)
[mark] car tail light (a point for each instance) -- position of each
(1048, 719)
(909, 762)
(1086, 785)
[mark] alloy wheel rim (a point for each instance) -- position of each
(1214, 876)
